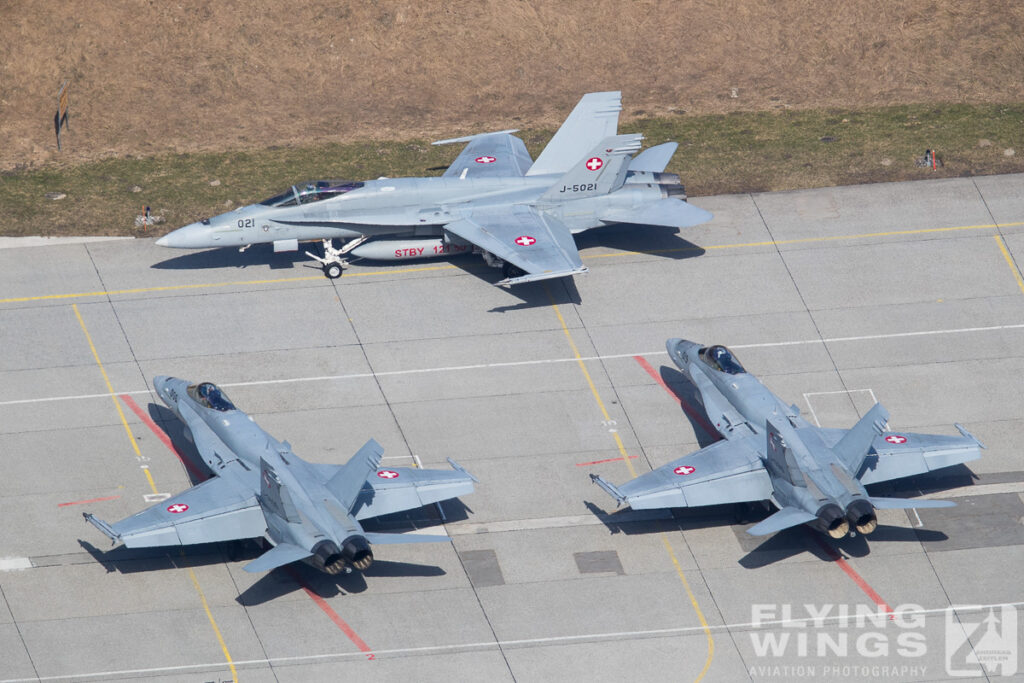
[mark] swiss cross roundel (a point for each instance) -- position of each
(177, 508)
(485, 160)
(525, 240)
(594, 163)
(896, 438)
(387, 474)
(684, 470)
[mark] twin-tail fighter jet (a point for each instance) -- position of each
(519, 214)
(814, 476)
(307, 511)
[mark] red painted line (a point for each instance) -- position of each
(598, 462)
(334, 616)
(693, 413)
(91, 500)
(852, 573)
(843, 564)
(160, 434)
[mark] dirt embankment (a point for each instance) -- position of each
(155, 77)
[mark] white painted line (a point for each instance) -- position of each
(522, 363)
(556, 522)
(919, 522)
(505, 644)
(10, 564)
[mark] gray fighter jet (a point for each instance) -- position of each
(813, 475)
(307, 511)
(519, 214)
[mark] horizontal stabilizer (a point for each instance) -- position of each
(381, 539)
(908, 503)
(783, 519)
(673, 213)
(654, 159)
(610, 489)
(278, 556)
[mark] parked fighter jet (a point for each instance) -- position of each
(814, 476)
(262, 489)
(494, 199)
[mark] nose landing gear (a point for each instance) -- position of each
(332, 261)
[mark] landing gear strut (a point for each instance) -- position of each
(332, 261)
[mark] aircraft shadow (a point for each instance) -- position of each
(132, 560)
(691, 405)
(655, 240)
(288, 579)
(166, 420)
(256, 255)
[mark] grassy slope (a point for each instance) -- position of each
(739, 152)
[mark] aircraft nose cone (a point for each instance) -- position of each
(678, 350)
(162, 383)
(192, 236)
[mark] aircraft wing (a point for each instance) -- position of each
(902, 454)
(394, 489)
(489, 155)
(539, 244)
(724, 472)
(216, 510)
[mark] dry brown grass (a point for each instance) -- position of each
(155, 77)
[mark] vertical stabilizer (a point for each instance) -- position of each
(600, 171)
(595, 118)
(274, 496)
(853, 448)
(351, 477)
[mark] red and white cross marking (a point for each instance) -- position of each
(177, 507)
(896, 438)
(485, 160)
(525, 240)
(387, 474)
(594, 163)
(685, 469)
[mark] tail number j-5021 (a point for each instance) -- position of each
(582, 187)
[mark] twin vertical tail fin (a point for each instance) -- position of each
(601, 171)
(274, 495)
(853, 448)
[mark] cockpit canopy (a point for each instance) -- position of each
(720, 358)
(312, 191)
(209, 395)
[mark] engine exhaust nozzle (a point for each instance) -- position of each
(832, 521)
(861, 515)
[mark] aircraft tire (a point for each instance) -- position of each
(510, 271)
(333, 271)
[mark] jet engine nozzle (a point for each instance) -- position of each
(329, 557)
(861, 515)
(832, 521)
(356, 551)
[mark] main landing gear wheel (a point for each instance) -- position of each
(333, 270)
(510, 271)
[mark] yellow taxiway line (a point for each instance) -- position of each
(152, 485)
(1009, 261)
(632, 471)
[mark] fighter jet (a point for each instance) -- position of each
(814, 476)
(306, 511)
(519, 214)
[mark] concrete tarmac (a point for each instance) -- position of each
(909, 294)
